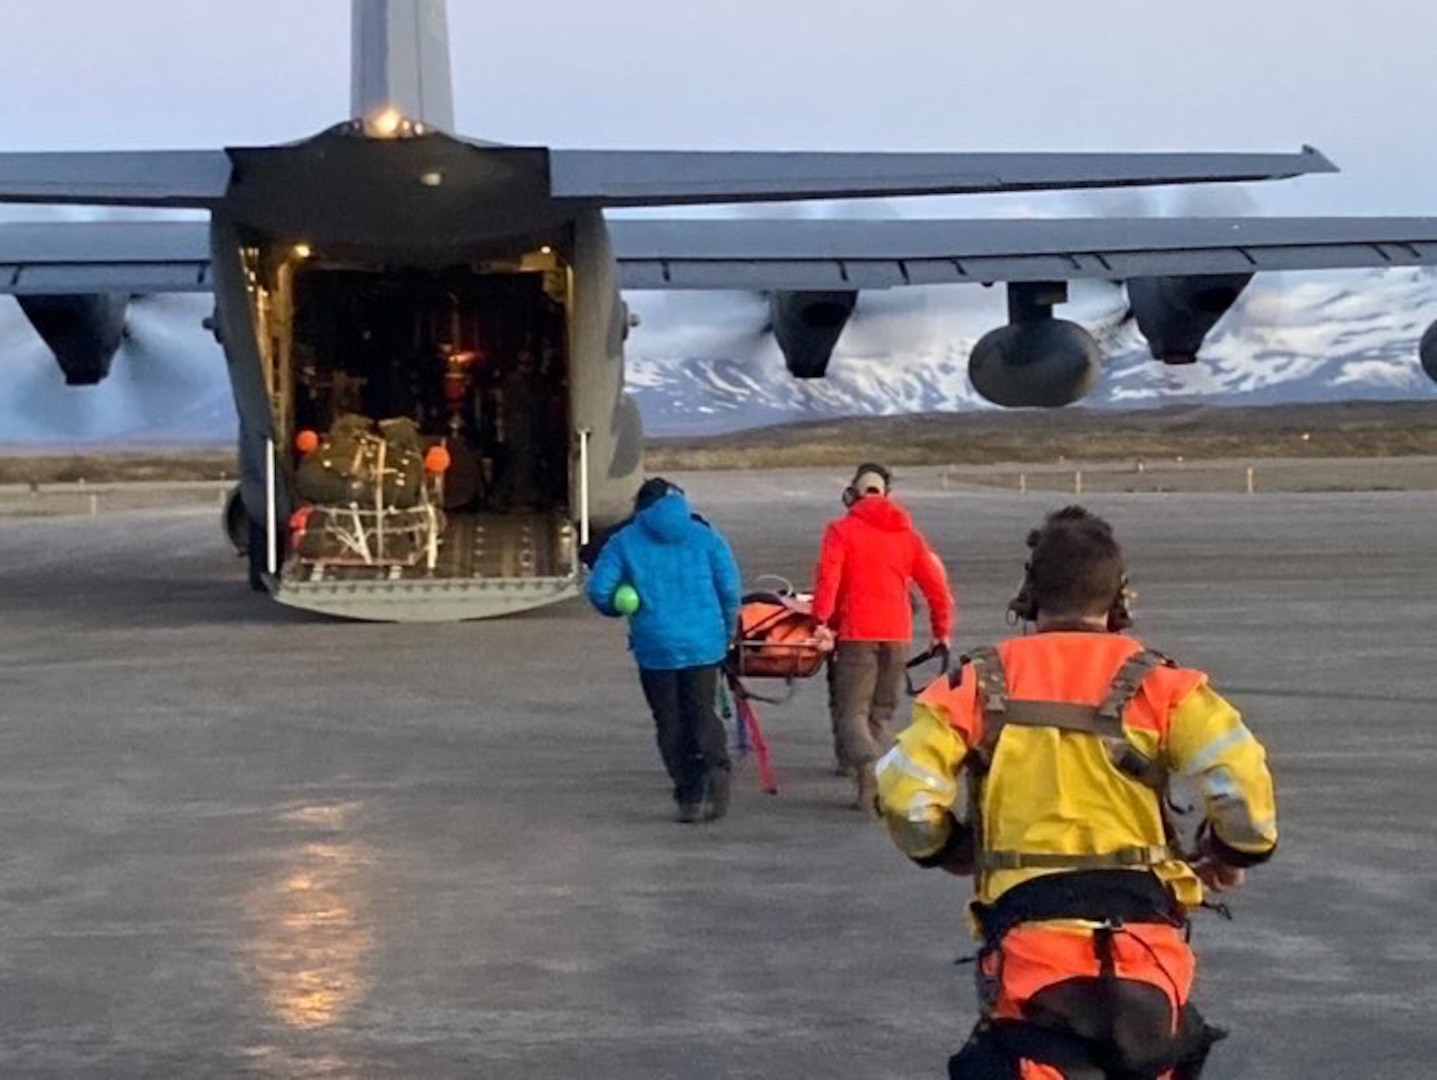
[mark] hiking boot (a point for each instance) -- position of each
(866, 798)
(688, 813)
(716, 793)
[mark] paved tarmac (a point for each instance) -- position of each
(240, 841)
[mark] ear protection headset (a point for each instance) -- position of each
(1023, 608)
(851, 494)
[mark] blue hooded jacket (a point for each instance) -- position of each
(687, 581)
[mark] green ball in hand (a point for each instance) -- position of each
(626, 599)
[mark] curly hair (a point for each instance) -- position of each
(1076, 565)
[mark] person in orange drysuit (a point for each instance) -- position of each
(1067, 739)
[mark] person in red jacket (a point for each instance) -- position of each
(869, 559)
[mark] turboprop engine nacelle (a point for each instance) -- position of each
(1036, 360)
(1176, 313)
(84, 331)
(1427, 351)
(807, 326)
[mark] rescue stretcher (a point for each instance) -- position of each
(777, 636)
(777, 639)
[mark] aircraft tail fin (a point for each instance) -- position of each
(400, 61)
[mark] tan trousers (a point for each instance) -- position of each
(866, 679)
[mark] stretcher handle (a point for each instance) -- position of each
(941, 653)
(784, 586)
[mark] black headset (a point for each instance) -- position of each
(1023, 608)
(851, 495)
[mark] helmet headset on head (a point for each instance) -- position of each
(863, 482)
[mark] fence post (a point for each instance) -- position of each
(1251, 480)
(1023, 482)
(94, 504)
(1077, 482)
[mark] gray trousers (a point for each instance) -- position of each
(865, 680)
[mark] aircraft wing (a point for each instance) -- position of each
(854, 254)
(173, 256)
(65, 257)
(672, 178)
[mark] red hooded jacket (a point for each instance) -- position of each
(865, 566)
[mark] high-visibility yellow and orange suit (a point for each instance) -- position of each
(1080, 894)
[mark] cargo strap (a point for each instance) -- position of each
(1104, 720)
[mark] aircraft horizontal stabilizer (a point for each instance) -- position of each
(173, 178)
(671, 178)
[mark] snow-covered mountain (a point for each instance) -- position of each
(704, 363)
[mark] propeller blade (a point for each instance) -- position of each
(732, 327)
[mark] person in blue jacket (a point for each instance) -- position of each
(688, 587)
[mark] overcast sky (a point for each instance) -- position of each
(1353, 78)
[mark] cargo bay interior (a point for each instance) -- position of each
(475, 360)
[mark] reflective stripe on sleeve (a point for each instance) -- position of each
(900, 763)
(1215, 748)
(1231, 814)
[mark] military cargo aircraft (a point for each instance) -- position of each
(425, 332)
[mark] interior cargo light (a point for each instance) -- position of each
(303, 251)
(431, 179)
(546, 250)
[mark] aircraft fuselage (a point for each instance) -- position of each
(434, 280)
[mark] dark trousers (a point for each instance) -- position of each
(690, 735)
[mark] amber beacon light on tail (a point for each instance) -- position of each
(425, 332)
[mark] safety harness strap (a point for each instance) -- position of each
(992, 694)
(1126, 682)
(1104, 720)
(1122, 858)
(1064, 715)
(992, 691)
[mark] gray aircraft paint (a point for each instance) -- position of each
(401, 61)
(56, 258)
(235, 323)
